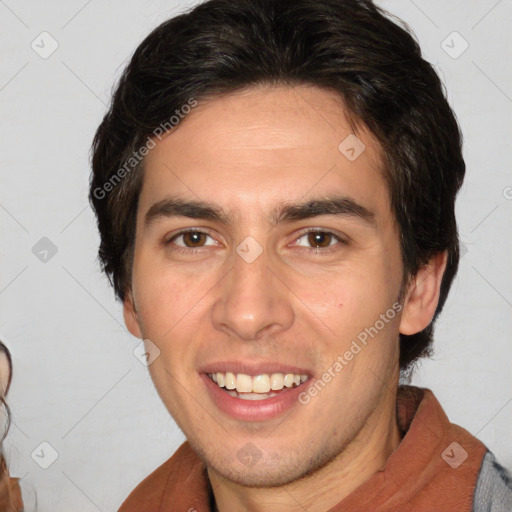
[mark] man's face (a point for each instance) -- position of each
(254, 296)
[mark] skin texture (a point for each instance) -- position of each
(249, 153)
(4, 373)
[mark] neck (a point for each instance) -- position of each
(366, 454)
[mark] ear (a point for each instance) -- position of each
(131, 318)
(422, 295)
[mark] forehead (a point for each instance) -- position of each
(260, 146)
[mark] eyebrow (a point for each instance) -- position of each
(285, 213)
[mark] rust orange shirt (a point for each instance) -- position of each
(434, 468)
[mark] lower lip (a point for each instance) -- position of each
(253, 410)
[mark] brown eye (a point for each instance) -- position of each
(193, 238)
(320, 239)
(190, 239)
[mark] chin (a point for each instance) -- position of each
(271, 469)
(262, 476)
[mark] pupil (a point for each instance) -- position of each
(194, 236)
(319, 239)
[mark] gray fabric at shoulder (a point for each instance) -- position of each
(493, 491)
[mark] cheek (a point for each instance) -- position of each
(351, 300)
(343, 291)
(163, 297)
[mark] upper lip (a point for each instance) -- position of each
(252, 368)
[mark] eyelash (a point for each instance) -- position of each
(314, 250)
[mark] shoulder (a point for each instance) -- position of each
(493, 491)
(150, 493)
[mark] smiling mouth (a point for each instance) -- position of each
(259, 387)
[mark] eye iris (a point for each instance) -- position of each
(194, 237)
(319, 238)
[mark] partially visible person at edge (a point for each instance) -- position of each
(10, 493)
(274, 185)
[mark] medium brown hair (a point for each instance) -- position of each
(9, 495)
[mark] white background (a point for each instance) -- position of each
(77, 384)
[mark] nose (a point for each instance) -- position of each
(253, 302)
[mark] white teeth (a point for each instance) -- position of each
(288, 380)
(243, 383)
(230, 380)
(276, 381)
(253, 396)
(258, 386)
